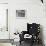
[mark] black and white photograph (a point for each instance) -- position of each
(20, 13)
(22, 22)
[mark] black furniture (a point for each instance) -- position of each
(33, 30)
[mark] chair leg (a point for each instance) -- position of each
(20, 42)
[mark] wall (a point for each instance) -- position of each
(3, 1)
(34, 13)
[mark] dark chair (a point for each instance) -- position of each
(32, 29)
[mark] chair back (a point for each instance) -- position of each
(33, 28)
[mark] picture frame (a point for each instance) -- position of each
(20, 14)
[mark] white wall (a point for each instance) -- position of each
(34, 13)
(3, 1)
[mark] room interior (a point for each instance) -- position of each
(14, 16)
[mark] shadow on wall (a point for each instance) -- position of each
(41, 34)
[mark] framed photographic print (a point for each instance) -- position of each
(20, 13)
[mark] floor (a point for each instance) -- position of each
(5, 44)
(18, 44)
(23, 44)
(26, 44)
